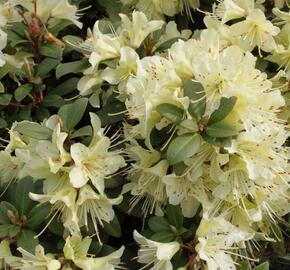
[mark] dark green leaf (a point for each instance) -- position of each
(46, 66)
(84, 131)
(22, 91)
(42, 113)
(220, 130)
(170, 112)
(174, 215)
(195, 92)
(5, 99)
(183, 147)
(53, 101)
(34, 130)
(13, 230)
(112, 113)
(113, 228)
(166, 44)
(65, 88)
(27, 241)
(163, 237)
(3, 123)
(220, 142)
(244, 265)
(38, 214)
(158, 224)
(6, 210)
(263, 266)
(72, 67)
(71, 114)
(226, 106)
(23, 203)
(4, 230)
(51, 50)
(74, 43)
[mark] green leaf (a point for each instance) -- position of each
(174, 215)
(53, 101)
(3, 123)
(2, 88)
(71, 114)
(47, 65)
(166, 44)
(244, 265)
(56, 227)
(51, 50)
(170, 112)
(23, 203)
(38, 214)
(183, 147)
(179, 168)
(72, 67)
(279, 244)
(112, 113)
(5, 99)
(113, 228)
(4, 230)
(5, 208)
(27, 241)
(263, 266)
(74, 43)
(66, 87)
(195, 92)
(226, 106)
(220, 142)
(34, 130)
(158, 224)
(5, 70)
(189, 124)
(220, 130)
(163, 237)
(84, 131)
(22, 91)
(13, 231)
(42, 113)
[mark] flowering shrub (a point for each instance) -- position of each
(144, 134)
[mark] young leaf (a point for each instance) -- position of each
(195, 92)
(71, 114)
(174, 215)
(220, 130)
(22, 91)
(226, 106)
(170, 112)
(183, 147)
(34, 130)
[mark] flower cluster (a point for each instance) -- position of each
(205, 130)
